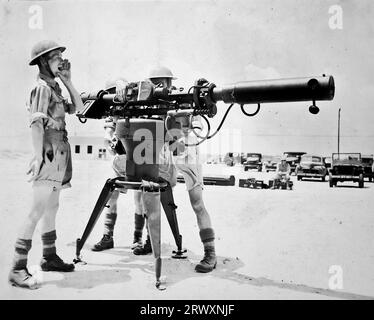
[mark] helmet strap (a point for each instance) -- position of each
(45, 68)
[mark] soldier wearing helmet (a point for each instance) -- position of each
(161, 76)
(187, 163)
(50, 168)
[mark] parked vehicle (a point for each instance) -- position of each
(311, 166)
(346, 167)
(293, 159)
(271, 164)
(367, 161)
(253, 161)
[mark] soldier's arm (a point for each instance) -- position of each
(109, 135)
(65, 76)
(39, 102)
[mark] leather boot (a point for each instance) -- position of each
(209, 261)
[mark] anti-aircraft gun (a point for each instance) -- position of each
(145, 106)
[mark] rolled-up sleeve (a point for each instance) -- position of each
(39, 102)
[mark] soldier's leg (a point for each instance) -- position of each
(194, 182)
(19, 275)
(206, 232)
(119, 169)
(50, 260)
(107, 241)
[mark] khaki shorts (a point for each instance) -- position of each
(119, 168)
(56, 169)
(170, 166)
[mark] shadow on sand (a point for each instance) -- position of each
(177, 270)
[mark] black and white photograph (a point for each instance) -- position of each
(204, 150)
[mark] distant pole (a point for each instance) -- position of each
(339, 131)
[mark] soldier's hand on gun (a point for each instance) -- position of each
(34, 168)
(177, 146)
(64, 72)
(121, 90)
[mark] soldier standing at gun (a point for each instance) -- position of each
(187, 163)
(115, 147)
(51, 166)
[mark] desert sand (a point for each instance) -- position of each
(271, 244)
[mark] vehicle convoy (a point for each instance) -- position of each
(367, 161)
(253, 161)
(311, 166)
(346, 167)
(293, 159)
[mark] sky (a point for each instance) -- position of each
(223, 41)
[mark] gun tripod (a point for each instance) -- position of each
(140, 177)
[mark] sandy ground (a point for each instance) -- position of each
(271, 244)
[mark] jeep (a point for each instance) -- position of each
(346, 167)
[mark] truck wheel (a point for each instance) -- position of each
(370, 179)
(299, 178)
(331, 182)
(361, 181)
(245, 169)
(323, 179)
(259, 169)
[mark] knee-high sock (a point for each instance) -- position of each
(110, 221)
(22, 248)
(207, 238)
(49, 243)
(139, 225)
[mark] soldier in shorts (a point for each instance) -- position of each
(187, 163)
(51, 166)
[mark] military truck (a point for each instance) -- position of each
(253, 161)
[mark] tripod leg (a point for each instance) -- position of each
(169, 206)
(152, 209)
(104, 196)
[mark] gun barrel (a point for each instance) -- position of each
(279, 90)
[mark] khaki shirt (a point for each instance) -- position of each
(47, 105)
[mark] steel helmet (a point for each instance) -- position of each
(43, 47)
(161, 72)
